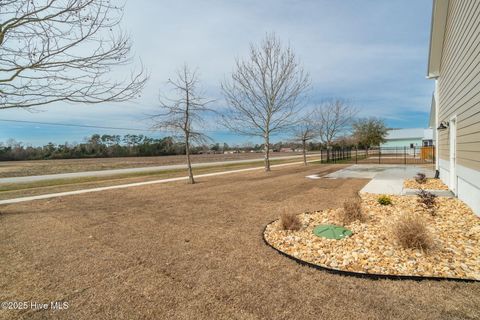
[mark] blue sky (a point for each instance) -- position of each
(371, 52)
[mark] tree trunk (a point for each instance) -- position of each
(328, 152)
(267, 153)
(304, 143)
(189, 163)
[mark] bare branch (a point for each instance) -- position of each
(304, 131)
(63, 50)
(333, 118)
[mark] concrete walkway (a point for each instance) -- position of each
(385, 179)
(112, 172)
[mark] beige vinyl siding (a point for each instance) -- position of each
(459, 82)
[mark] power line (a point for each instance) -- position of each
(74, 125)
(84, 125)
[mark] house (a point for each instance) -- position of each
(410, 138)
(454, 64)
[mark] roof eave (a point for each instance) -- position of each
(437, 34)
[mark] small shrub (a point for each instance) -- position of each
(352, 211)
(290, 221)
(412, 233)
(384, 200)
(428, 201)
(421, 178)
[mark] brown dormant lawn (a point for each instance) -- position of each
(177, 251)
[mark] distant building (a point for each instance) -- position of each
(286, 150)
(410, 138)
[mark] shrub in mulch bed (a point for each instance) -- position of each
(290, 221)
(428, 201)
(352, 211)
(384, 200)
(421, 178)
(412, 233)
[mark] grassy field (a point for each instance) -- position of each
(15, 190)
(41, 167)
(177, 251)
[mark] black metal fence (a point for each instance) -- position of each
(380, 155)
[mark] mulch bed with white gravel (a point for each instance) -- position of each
(373, 248)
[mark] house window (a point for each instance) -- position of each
(427, 143)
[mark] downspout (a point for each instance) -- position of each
(437, 123)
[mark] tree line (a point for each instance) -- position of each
(96, 146)
(132, 145)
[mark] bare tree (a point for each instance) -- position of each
(63, 50)
(183, 113)
(333, 118)
(264, 92)
(303, 132)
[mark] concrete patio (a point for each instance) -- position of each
(385, 179)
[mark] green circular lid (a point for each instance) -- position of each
(331, 231)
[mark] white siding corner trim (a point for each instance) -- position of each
(437, 34)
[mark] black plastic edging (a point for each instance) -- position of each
(372, 276)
